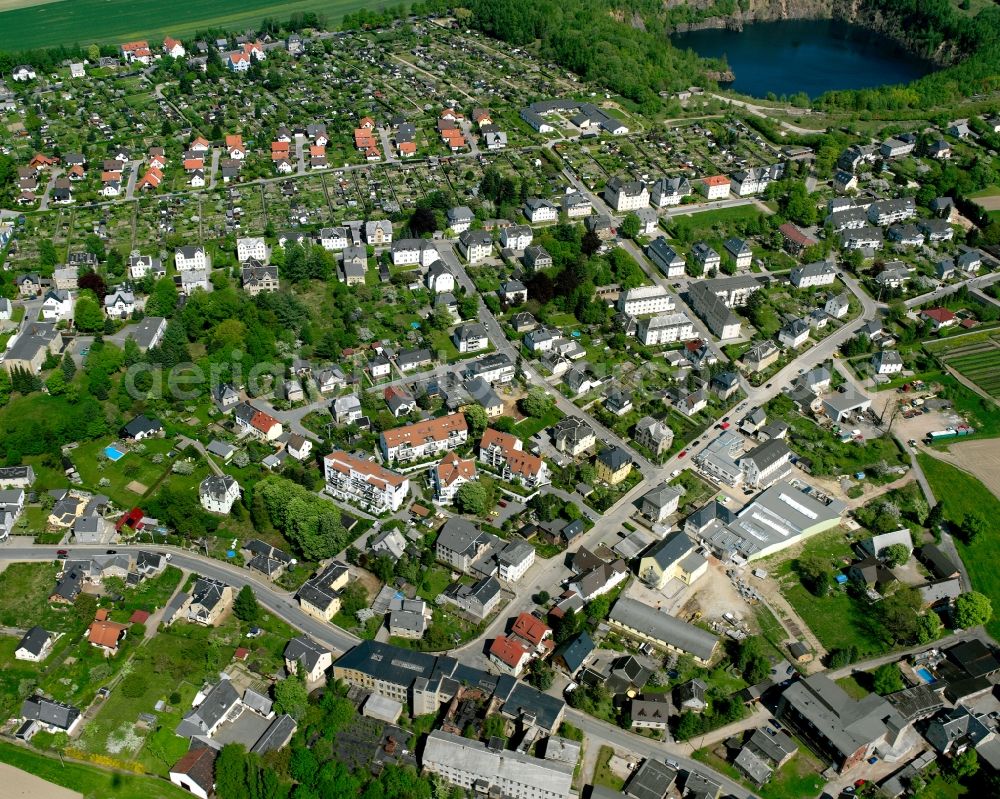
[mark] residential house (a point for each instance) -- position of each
(659, 503)
(669, 261)
(887, 362)
(35, 645)
(669, 191)
(573, 436)
(845, 729)
(674, 557)
(505, 453)
(715, 187)
(613, 464)
(538, 211)
(654, 435)
(811, 275)
(475, 245)
(306, 658)
(450, 475)
(217, 493)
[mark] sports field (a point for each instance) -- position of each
(27, 24)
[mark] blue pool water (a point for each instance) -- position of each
(925, 675)
(113, 453)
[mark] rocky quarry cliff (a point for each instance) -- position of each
(854, 11)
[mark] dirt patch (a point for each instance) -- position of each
(988, 203)
(980, 458)
(19, 784)
(137, 488)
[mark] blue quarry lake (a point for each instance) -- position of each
(811, 56)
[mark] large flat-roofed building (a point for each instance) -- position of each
(473, 765)
(371, 486)
(655, 627)
(778, 517)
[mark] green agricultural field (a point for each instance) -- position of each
(961, 494)
(25, 24)
(978, 361)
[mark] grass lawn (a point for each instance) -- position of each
(835, 619)
(152, 594)
(15, 676)
(603, 775)
(435, 581)
(960, 494)
(133, 467)
(24, 594)
(92, 782)
(527, 427)
(940, 788)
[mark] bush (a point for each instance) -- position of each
(134, 686)
(175, 698)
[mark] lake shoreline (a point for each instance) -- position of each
(810, 56)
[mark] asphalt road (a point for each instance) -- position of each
(279, 602)
(627, 743)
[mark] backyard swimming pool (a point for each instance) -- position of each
(113, 453)
(925, 675)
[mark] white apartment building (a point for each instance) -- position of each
(819, 273)
(468, 763)
(217, 493)
(367, 484)
(624, 195)
(645, 300)
(190, 257)
(664, 328)
(255, 248)
(425, 438)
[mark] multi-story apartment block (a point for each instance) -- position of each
(358, 480)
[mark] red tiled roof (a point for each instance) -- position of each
(453, 467)
(507, 650)
(939, 315)
(715, 180)
(139, 617)
(530, 628)
(263, 421)
(429, 429)
(105, 633)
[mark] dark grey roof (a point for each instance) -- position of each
(662, 627)
(766, 454)
(575, 650)
(306, 651)
(35, 640)
(671, 549)
(276, 735)
(141, 424)
(614, 457)
(217, 703)
(48, 711)
(652, 780)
